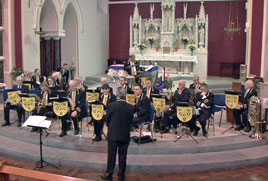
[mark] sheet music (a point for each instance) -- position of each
(37, 121)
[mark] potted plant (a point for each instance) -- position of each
(151, 41)
(185, 41)
(72, 71)
(16, 72)
(141, 47)
(192, 47)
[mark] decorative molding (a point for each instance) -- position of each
(159, 1)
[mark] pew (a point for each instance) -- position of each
(6, 171)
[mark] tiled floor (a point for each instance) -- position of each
(254, 173)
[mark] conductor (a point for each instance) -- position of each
(119, 118)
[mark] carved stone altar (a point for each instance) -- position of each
(167, 34)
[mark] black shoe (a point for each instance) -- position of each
(76, 132)
(33, 130)
(96, 139)
(238, 128)
(247, 129)
(6, 124)
(205, 133)
(106, 177)
(19, 124)
(196, 131)
(62, 134)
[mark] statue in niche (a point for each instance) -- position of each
(136, 35)
(152, 11)
(185, 5)
(202, 37)
(168, 20)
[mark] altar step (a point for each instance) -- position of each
(162, 156)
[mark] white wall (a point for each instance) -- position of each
(93, 46)
(93, 42)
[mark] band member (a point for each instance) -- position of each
(119, 118)
(106, 98)
(131, 66)
(242, 108)
(182, 94)
(203, 103)
(149, 89)
(52, 87)
(80, 85)
(37, 79)
(196, 85)
(103, 81)
(77, 110)
(44, 106)
(56, 80)
(142, 106)
(8, 106)
(123, 88)
(65, 73)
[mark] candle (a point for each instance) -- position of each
(164, 69)
(168, 75)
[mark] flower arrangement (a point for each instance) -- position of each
(16, 72)
(185, 40)
(163, 84)
(192, 47)
(141, 46)
(151, 41)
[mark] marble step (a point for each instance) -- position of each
(138, 163)
(163, 147)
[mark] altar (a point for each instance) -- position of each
(178, 44)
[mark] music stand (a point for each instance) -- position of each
(101, 132)
(161, 113)
(62, 93)
(232, 127)
(41, 123)
(185, 131)
(29, 84)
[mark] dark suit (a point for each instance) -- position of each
(204, 113)
(170, 116)
(123, 90)
(142, 108)
(119, 117)
(244, 99)
(128, 68)
(65, 76)
(18, 107)
(98, 124)
(35, 84)
(194, 86)
(80, 107)
(152, 91)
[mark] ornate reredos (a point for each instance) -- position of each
(168, 30)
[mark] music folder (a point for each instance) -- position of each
(37, 121)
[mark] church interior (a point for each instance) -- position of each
(215, 49)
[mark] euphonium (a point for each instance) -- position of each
(42, 104)
(254, 116)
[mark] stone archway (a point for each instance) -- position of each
(69, 46)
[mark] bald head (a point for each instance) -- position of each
(78, 79)
(249, 84)
(182, 84)
(19, 80)
(196, 79)
(103, 81)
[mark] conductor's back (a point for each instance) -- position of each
(119, 119)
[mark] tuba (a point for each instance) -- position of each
(254, 116)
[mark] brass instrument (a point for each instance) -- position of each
(42, 104)
(254, 116)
